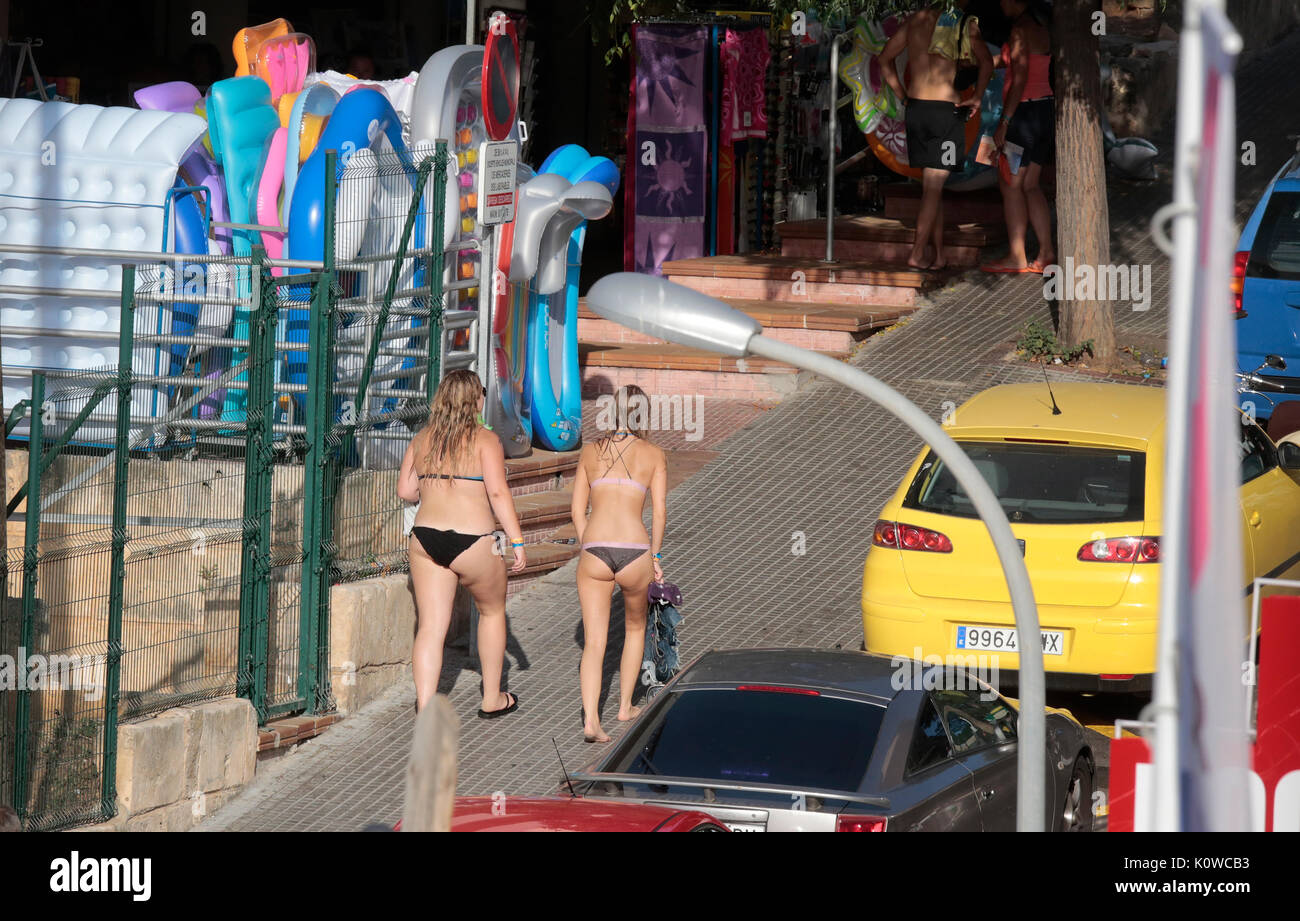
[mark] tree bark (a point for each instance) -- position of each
(1083, 218)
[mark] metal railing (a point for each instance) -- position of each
(180, 550)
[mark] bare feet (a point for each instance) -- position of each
(1046, 260)
(628, 714)
(597, 736)
(939, 263)
(917, 261)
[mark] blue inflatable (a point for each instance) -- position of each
(240, 120)
(553, 387)
(362, 119)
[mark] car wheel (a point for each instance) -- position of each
(1076, 811)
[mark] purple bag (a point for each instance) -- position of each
(664, 593)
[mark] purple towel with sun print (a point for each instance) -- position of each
(671, 145)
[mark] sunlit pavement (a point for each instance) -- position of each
(809, 474)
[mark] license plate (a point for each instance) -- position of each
(1001, 639)
(742, 826)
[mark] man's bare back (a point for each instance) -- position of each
(930, 76)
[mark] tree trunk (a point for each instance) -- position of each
(1083, 218)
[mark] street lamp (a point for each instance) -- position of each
(678, 314)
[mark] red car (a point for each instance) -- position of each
(567, 813)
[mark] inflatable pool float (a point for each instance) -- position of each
(199, 167)
(284, 61)
(241, 121)
(361, 124)
(107, 189)
(554, 376)
(249, 40)
(307, 119)
(506, 409)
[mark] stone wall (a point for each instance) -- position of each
(179, 766)
(372, 628)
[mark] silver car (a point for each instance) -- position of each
(830, 740)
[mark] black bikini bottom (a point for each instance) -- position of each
(444, 547)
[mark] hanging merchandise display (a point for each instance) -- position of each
(668, 144)
(697, 125)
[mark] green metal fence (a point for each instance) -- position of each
(171, 557)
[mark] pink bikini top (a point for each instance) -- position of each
(617, 481)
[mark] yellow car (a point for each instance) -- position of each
(1082, 491)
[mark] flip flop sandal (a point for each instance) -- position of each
(994, 269)
(493, 714)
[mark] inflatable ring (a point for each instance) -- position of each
(879, 114)
(861, 72)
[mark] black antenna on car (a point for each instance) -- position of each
(572, 792)
(1056, 410)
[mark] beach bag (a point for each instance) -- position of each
(661, 660)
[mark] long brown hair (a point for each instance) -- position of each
(631, 407)
(453, 421)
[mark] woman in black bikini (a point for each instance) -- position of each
(455, 468)
(614, 475)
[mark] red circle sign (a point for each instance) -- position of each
(500, 88)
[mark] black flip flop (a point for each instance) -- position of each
(493, 714)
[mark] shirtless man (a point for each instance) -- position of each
(936, 134)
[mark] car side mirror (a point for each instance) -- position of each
(1288, 455)
(1276, 362)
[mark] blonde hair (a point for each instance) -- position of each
(453, 421)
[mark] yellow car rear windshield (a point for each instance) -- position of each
(1040, 483)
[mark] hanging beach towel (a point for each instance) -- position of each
(669, 154)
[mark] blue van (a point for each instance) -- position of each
(1266, 288)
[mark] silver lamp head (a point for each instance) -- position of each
(673, 312)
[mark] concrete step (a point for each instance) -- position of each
(871, 238)
(540, 471)
(540, 513)
(983, 206)
(822, 327)
(801, 280)
(678, 369)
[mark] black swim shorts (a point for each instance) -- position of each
(936, 134)
(1033, 127)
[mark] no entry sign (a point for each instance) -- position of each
(500, 81)
(496, 172)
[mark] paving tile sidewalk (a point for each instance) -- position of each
(807, 475)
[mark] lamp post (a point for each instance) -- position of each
(678, 314)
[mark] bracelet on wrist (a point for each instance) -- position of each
(659, 556)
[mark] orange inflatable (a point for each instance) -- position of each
(248, 40)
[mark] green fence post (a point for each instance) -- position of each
(117, 579)
(31, 559)
(317, 533)
(437, 262)
(255, 562)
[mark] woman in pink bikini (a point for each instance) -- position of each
(1028, 120)
(614, 475)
